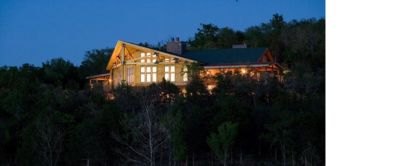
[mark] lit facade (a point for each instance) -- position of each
(140, 66)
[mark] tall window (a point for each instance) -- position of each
(148, 59)
(169, 73)
(148, 74)
(185, 74)
(154, 73)
(130, 75)
(142, 56)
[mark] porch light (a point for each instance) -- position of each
(210, 87)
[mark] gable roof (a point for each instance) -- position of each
(118, 47)
(226, 56)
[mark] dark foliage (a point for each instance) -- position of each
(48, 116)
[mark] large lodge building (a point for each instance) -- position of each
(140, 66)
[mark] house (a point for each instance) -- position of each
(140, 66)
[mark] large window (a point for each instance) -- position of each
(148, 74)
(169, 73)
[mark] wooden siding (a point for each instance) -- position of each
(133, 61)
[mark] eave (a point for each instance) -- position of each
(222, 66)
(98, 76)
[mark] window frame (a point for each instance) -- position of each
(148, 73)
(170, 73)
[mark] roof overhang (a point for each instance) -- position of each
(118, 47)
(98, 76)
(222, 66)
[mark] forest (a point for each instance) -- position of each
(49, 115)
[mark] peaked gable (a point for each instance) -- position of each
(130, 48)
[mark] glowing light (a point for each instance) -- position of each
(210, 87)
(243, 71)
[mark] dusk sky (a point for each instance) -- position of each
(34, 31)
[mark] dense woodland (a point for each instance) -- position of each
(49, 116)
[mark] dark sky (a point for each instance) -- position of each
(33, 31)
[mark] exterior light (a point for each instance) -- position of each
(210, 87)
(243, 71)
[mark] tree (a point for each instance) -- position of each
(95, 62)
(143, 135)
(176, 126)
(254, 37)
(195, 88)
(304, 42)
(60, 72)
(50, 142)
(274, 43)
(205, 37)
(226, 37)
(277, 22)
(47, 118)
(280, 132)
(222, 141)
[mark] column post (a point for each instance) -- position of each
(122, 55)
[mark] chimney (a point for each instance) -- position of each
(175, 46)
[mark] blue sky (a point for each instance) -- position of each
(33, 31)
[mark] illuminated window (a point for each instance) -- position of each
(169, 74)
(142, 55)
(154, 74)
(148, 74)
(148, 77)
(172, 77)
(148, 57)
(185, 74)
(142, 72)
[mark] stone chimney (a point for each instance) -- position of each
(175, 46)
